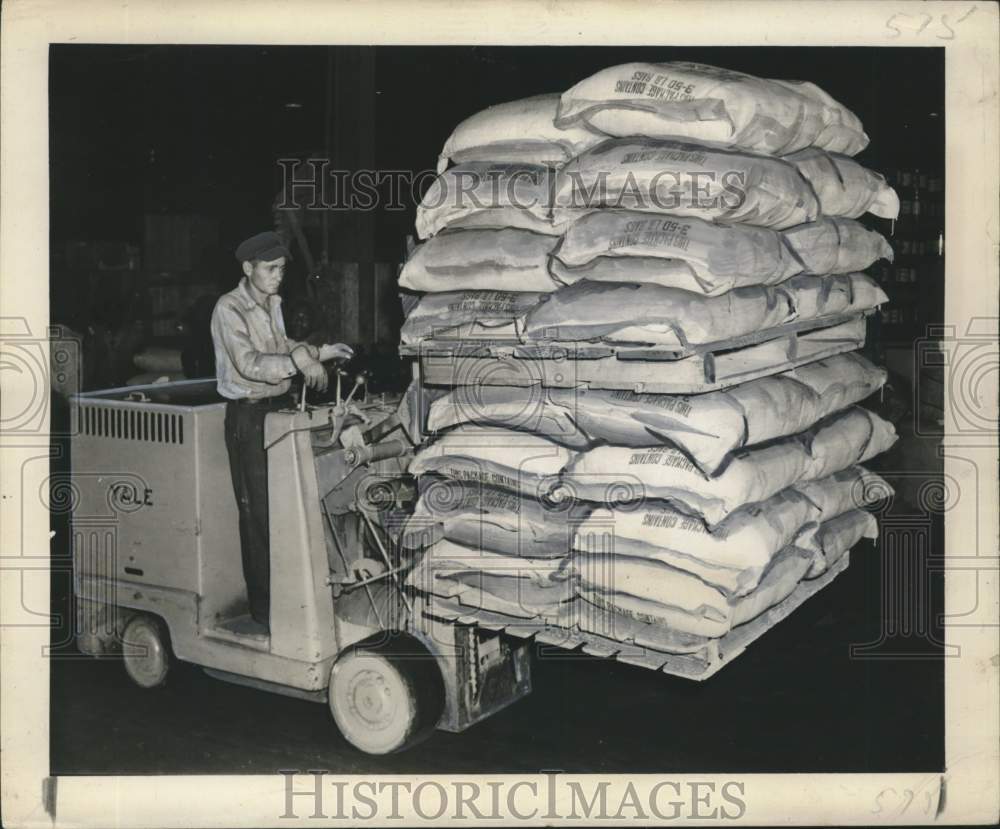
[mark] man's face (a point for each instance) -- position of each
(266, 276)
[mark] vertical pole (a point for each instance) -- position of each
(327, 147)
(365, 220)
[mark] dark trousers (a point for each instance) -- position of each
(248, 465)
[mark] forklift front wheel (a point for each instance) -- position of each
(147, 651)
(386, 700)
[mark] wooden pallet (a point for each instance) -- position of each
(635, 643)
(498, 362)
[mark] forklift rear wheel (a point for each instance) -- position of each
(387, 699)
(147, 651)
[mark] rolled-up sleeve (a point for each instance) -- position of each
(293, 344)
(309, 347)
(229, 328)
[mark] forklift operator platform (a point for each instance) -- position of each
(152, 461)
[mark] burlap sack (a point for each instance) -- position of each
(654, 593)
(688, 253)
(513, 585)
(751, 475)
(644, 313)
(836, 246)
(851, 488)
(552, 413)
(838, 535)
(677, 179)
(707, 104)
(480, 260)
(844, 187)
(520, 192)
(441, 314)
(493, 519)
(734, 555)
(516, 461)
(520, 131)
(839, 293)
(731, 557)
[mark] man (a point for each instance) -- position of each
(254, 363)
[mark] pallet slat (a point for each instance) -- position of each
(716, 366)
(598, 649)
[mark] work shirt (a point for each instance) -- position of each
(252, 352)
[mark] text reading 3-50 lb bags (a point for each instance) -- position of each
(707, 104)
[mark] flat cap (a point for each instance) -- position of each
(266, 247)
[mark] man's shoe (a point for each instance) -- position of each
(258, 628)
(248, 626)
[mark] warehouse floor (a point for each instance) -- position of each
(795, 701)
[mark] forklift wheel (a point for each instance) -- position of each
(147, 651)
(387, 699)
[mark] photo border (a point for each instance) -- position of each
(967, 792)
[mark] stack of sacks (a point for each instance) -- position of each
(516, 586)
(496, 277)
(657, 565)
(518, 281)
(662, 562)
(667, 495)
(489, 531)
(784, 510)
(672, 205)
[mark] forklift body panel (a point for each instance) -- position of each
(156, 531)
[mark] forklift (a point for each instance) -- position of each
(158, 574)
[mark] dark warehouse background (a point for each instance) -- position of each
(163, 158)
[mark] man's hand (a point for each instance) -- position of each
(312, 370)
(335, 351)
